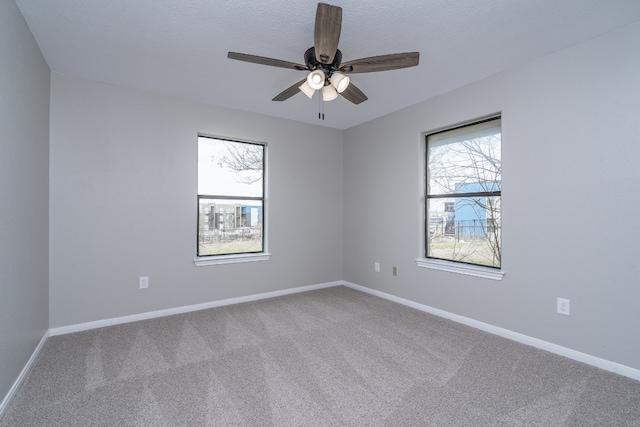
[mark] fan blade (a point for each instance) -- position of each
(265, 61)
(392, 61)
(327, 32)
(289, 92)
(353, 94)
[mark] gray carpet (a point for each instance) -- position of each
(332, 357)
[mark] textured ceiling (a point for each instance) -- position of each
(179, 47)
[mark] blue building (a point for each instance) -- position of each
(471, 212)
(251, 216)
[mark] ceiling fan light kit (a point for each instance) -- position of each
(331, 86)
(307, 90)
(340, 82)
(324, 63)
(316, 79)
(329, 93)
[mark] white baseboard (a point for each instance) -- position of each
(184, 309)
(23, 374)
(514, 336)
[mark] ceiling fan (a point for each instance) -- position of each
(323, 60)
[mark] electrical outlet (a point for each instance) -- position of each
(144, 282)
(563, 306)
(376, 267)
(395, 271)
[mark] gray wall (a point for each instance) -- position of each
(571, 211)
(24, 195)
(123, 202)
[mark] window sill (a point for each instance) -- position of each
(454, 267)
(231, 259)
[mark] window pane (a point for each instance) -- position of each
(228, 226)
(229, 168)
(465, 229)
(230, 197)
(465, 160)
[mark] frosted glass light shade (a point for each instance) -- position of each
(340, 81)
(316, 79)
(307, 90)
(329, 93)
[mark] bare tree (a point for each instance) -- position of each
(474, 161)
(473, 164)
(245, 161)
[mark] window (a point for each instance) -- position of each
(463, 197)
(230, 198)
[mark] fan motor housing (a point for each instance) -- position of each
(328, 69)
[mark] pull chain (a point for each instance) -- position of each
(320, 107)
